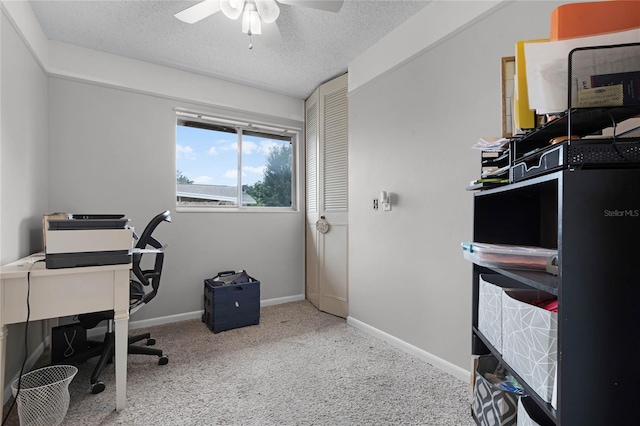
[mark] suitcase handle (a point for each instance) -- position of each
(222, 274)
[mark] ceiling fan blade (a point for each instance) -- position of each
(328, 5)
(270, 34)
(195, 13)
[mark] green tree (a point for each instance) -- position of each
(257, 191)
(275, 189)
(182, 178)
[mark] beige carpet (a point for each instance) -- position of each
(299, 366)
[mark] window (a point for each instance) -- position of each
(220, 163)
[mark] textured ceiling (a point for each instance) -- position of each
(316, 45)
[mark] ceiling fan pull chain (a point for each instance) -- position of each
(250, 44)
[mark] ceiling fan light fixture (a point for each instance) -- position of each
(254, 13)
(251, 20)
(232, 8)
(268, 10)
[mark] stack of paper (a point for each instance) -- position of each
(492, 144)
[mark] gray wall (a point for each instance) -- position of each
(23, 168)
(411, 133)
(112, 150)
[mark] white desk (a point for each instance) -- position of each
(62, 292)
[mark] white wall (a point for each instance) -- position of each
(24, 147)
(23, 167)
(113, 150)
(433, 24)
(411, 132)
(83, 64)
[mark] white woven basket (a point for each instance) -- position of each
(44, 395)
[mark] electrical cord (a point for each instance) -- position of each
(26, 347)
(615, 142)
(614, 125)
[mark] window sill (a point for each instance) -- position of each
(231, 209)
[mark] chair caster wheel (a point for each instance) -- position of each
(163, 360)
(97, 387)
(151, 342)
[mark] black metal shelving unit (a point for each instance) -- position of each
(589, 210)
(590, 213)
(593, 218)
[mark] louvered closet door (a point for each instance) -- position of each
(329, 193)
(312, 244)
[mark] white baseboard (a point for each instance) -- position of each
(133, 325)
(281, 300)
(439, 363)
(164, 320)
(198, 314)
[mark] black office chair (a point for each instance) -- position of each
(139, 297)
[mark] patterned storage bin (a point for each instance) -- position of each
(492, 406)
(529, 340)
(490, 311)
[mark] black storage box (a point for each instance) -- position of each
(228, 306)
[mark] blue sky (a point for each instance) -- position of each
(210, 157)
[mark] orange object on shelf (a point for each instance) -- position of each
(593, 18)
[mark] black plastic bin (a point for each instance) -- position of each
(228, 305)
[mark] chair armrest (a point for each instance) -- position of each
(154, 250)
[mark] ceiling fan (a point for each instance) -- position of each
(258, 16)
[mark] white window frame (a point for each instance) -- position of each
(241, 125)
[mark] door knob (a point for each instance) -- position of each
(322, 225)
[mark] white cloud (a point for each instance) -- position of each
(204, 180)
(212, 151)
(185, 152)
(256, 170)
(230, 146)
(265, 146)
(231, 174)
(249, 147)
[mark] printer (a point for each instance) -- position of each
(76, 240)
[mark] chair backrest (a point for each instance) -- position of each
(146, 238)
(150, 277)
